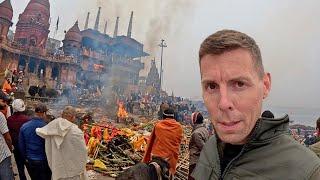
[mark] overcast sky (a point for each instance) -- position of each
(287, 31)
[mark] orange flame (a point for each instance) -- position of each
(122, 113)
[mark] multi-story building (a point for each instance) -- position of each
(27, 52)
(104, 59)
(88, 57)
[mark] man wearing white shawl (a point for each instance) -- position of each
(65, 147)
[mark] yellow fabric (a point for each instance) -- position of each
(99, 164)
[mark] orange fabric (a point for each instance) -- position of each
(165, 142)
(106, 134)
(96, 132)
(6, 87)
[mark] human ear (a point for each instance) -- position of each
(266, 84)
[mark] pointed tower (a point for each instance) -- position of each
(153, 78)
(105, 27)
(72, 41)
(130, 26)
(6, 14)
(87, 21)
(33, 25)
(115, 34)
(96, 25)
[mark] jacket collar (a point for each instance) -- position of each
(267, 128)
(263, 133)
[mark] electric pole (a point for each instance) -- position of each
(162, 45)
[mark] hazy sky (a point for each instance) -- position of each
(287, 31)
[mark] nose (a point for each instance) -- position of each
(225, 102)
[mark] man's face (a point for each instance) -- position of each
(233, 93)
(5, 110)
(73, 118)
(43, 115)
(3, 101)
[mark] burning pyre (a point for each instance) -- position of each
(122, 114)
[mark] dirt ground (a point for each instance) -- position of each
(15, 170)
(92, 175)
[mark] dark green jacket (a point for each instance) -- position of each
(269, 154)
(316, 148)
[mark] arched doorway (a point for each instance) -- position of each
(33, 41)
(42, 70)
(55, 72)
(32, 66)
(21, 63)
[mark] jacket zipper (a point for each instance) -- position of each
(230, 163)
(241, 152)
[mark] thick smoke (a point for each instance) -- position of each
(168, 15)
(159, 22)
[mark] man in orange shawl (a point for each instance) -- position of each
(165, 141)
(6, 88)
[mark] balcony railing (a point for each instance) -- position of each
(36, 52)
(93, 54)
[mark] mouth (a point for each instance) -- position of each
(229, 126)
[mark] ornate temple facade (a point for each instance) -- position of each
(104, 59)
(153, 78)
(27, 52)
(88, 57)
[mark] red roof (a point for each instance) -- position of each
(6, 11)
(38, 10)
(74, 33)
(45, 3)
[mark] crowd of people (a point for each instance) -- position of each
(13, 81)
(152, 105)
(48, 149)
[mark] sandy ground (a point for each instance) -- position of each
(93, 175)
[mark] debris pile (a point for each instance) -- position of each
(113, 149)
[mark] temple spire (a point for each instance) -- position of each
(105, 27)
(87, 21)
(130, 26)
(115, 34)
(96, 25)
